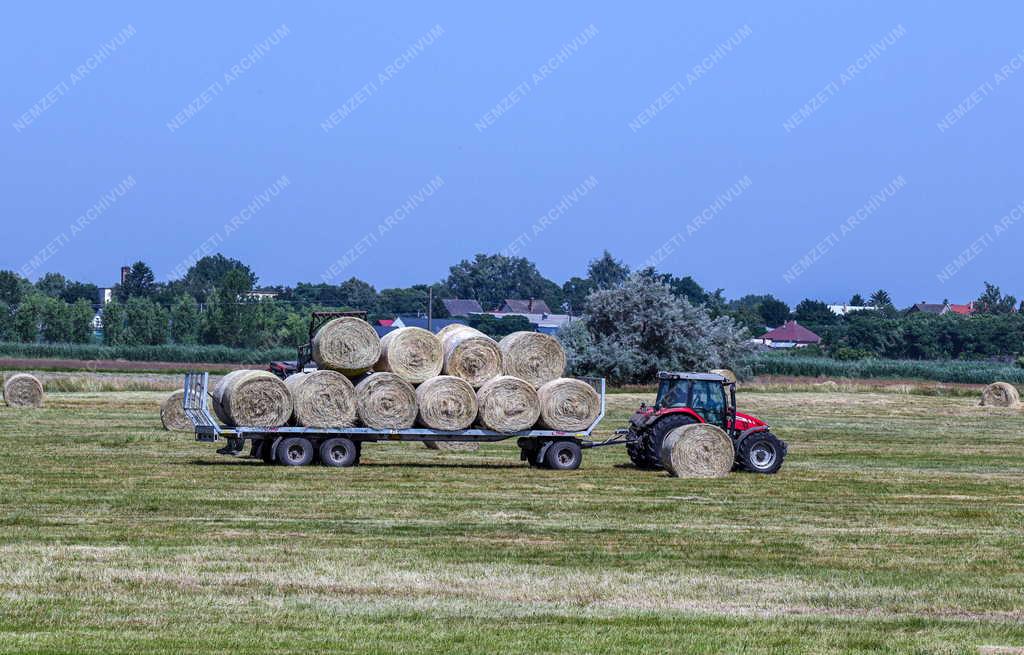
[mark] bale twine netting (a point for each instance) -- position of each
(726, 373)
(532, 356)
(172, 415)
(412, 353)
(698, 450)
(1000, 394)
(446, 403)
(23, 390)
(322, 399)
(470, 354)
(347, 344)
(384, 401)
(507, 404)
(568, 405)
(252, 398)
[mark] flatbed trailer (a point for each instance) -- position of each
(299, 446)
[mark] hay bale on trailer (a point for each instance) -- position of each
(507, 404)
(172, 415)
(384, 401)
(412, 353)
(470, 354)
(567, 404)
(446, 403)
(252, 398)
(532, 356)
(23, 390)
(348, 345)
(322, 399)
(1000, 394)
(698, 450)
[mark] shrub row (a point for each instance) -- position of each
(164, 353)
(969, 372)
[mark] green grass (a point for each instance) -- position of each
(164, 353)
(896, 526)
(968, 372)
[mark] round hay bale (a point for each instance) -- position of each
(172, 416)
(470, 354)
(726, 373)
(322, 399)
(1000, 394)
(412, 353)
(532, 356)
(385, 401)
(698, 450)
(23, 390)
(445, 403)
(347, 344)
(448, 329)
(507, 404)
(568, 405)
(252, 398)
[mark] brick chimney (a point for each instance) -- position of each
(124, 273)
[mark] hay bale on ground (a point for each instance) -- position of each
(322, 399)
(347, 344)
(23, 390)
(1000, 394)
(507, 404)
(172, 415)
(470, 354)
(567, 404)
(385, 401)
(726, 373)
(532, 356)
(412, 353)
(699, 450)
(252, 398)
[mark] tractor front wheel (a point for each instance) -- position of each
(645, 450)
(761, 452)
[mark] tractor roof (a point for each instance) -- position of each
(676, 375)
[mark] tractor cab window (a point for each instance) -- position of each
(673, 393)
(709, 401)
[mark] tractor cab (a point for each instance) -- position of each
(709, 395)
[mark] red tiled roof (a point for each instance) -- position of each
(791, 331)
(965, 310)
(386, 322)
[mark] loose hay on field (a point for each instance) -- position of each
(322, 399)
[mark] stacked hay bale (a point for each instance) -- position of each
(532, 356)
(348, 345)
(384, 401)
(23, 390)
(322, 399)
(507, 404)
(412, 353)
(470, 354)
(698, 450)
(252, 398)
(448, 403)
(172, 414)
(1000, 394)
(567, 404)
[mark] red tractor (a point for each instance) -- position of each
(685, 398)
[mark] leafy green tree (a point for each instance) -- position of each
(575, 292)
(80, 318)
(491, 279)
(75, 291)
(992, 301)
(880, 299)
(13, 288)
(28, 317)
(52, 285)
(147, 322)
(813, 312)
(115, 324)
(774, 312)
(185, 320)
(139, 282)
(206, 274)
(496, 328)
(606, 272)
(857, 300)
(358, 295)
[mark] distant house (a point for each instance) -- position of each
(106, 294)
(546, 323)
(790, 335)
(97, 322)
(843, 310)
(386, 322)
(462, 307)
(421, 322)
(265, 293)
(929, 308)
(962, 310)
(531, 306)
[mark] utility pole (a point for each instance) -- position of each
(430, 308)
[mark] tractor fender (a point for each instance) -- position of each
(749, 431)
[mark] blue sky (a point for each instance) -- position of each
(739, 144)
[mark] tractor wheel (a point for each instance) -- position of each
(645, 452)
(761, 452)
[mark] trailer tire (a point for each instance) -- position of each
(761, 452)
(339, 452)
(563, 456)
(295, 451)
(645, 450)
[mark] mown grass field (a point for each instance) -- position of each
(897, 525)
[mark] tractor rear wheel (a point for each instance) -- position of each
(645, 452)
(761, 452)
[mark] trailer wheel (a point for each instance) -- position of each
(295, 451)
(564, 456)
(338, 451)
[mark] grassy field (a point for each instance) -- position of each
(897, 525)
